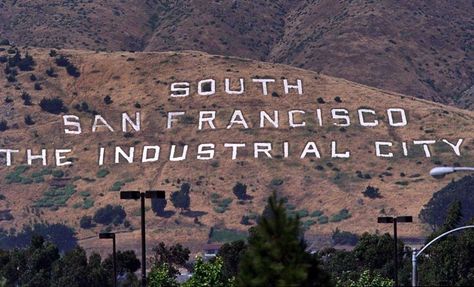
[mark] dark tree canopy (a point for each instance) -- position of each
(174, 256)
(435, 211)
(240, 191)
(371, 192)
(231, 254)
(181, 198)
(276, 253)
(61, 235)
(54, 105)
(110, 214)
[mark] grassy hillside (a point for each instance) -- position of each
(140, 82)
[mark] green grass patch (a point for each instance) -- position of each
(102, 173)
(323, 219)
(340, 216)
(316, 213)
(16, 175)
(221, 205)
(55, 197)
(88, 203)
(85, 193)
(308, 223)
(57, 173)
(276, 181)
(226, 235)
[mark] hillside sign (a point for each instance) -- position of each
(73, 125)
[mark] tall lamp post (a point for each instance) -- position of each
(438, 173)
(111, 235)
(395, 220)
(135, 195)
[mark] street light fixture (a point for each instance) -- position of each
(441, 171)
(111, 235)
(135, 195)
(395, 220)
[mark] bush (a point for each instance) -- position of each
(73, 71)
(86, 222)
(316, 213)
(372, 192)
(344, 238)
(102, 173)
(26, 63)
(323, 219)
(55, 197)
(108, 100)
(11, 78)
(62, 61)
(110, 214)
(340, 216)
(29, 121)
(181, 199)
(50, 72)
(3, 125)
(54, 105)
(308, 223)
(302, 213)
(245, 220)
(57, 173)
(88, 203)
(4, 42)
(26, 99)
(240, 191)
(117, 186)
(276, 181)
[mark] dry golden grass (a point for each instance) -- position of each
(145, 78)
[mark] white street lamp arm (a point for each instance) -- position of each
(443, 170)
(442, 235)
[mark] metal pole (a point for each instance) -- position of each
(115, 261)
(142, 198)
(413, 268)
(396, 250)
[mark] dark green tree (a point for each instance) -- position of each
(435, 211)
(173, 256)
(371, 192)
(240, 191)
(181, 199)
(74, 270)
(3, 125)
(36, 269)
(450, 260)
(110, 214)
(276, 253)
(127, 263)
(231, 254)
(158, 205)
(54, 105)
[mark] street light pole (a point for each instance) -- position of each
(135, 195)
(142, 206)
(394, 220)
(111, 235)
(395, 248)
